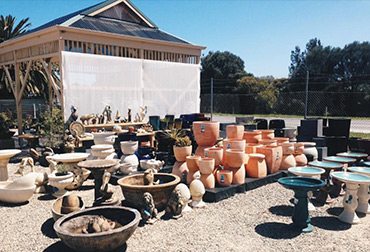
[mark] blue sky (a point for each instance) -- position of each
(262, 33)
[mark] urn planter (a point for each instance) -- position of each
(252, 147)
(288, 148)
(224, 177)
(252, 136)
(301, 160)
(235, 158)
(208, 180)
(216, 153)
(268, 142)
(182, 152)
(268, 134)
(234, 131)
(238, 175)
(192, 163)
(206, 165)
(273, 155)
(206, 133)
(256, 167)
(287, 162)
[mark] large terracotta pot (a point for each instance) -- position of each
(235, 131)
(206, 133)
(298, 148)
(208, 180)
(273, 155)
(182, 152)
(235, 158)
(281, 140)
(301, 159)
(268, 134)
(224, 177)
(287, 162)
(200, 150)
(206, 165)
(288, 148)
(256, 167)
(268, 142)
(180, 169)
(191, 176)
(233, 144)
(238, 175)
(310, 149)
(216, 153)
(252, 147)
(252, 136)
(192, 163)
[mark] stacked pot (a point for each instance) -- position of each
(288, 157)
(206, 134)
(256, 166)
(192, 163)
(129, 158)
(103, 151)
(180, 167)
(300, 157)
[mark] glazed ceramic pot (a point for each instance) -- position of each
(182, 152)
(310, 150)
(129, 147)
(281, 140)
(298, 148)
(273, 156)
(268, 142)
(235, 158)
(287, 162)
(206, 133)
(191, 176)
(252, 147)
(208, 180)
(235, 131)
(256, 167)
(288, 148)
(301, 159)
(192, 163)
(206, 165)
(233, 144)
(180, 169)
(216, 153)
(252, 136)
(200, 150)
(224, 177)
(268, 134)
(238, 175)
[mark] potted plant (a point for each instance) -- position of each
(182, 148)
(52, 129)
(60, 178)
(6, 141)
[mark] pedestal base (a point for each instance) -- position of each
(350, 204)
(363, 199)
(349, 217)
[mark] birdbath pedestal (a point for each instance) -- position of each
(324, 194)
(307, 172)
(301, 186)
(5, 156)
(352, 180)
(356, 155)
(97, 168)
(364, 190)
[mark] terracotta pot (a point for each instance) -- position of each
(300, 159)
(252, 136)
(235, 158)
(192, 163)
(208, 180)
(216, 153)
(179, 169)
(273, 156)
(310, 149)
(224, 177)
(256, 167)
(281, 140)
(252, 147)
(233, 144)
(200, 150)
(182, 152)
(287, 162)
(268, 142)
(288, 148)
(268, 134)
(238, 175)
(235, 131)
(206, 133)
(206, 165)
(191, 176)
(298, 148)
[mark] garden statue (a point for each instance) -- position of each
(41, 157)
(95, 119)
(117, 119)
(176, 204)
(149, 177)
(52, 164)
(101, 119)
(69, 145)
(105, 191)
(129, 115)
(149, 212)
(85, 119)
(73, 117)
(25, 161)
(143, 111)
(107, 113)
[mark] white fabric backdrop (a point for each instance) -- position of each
(90, 82)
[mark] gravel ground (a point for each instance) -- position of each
(257, 220)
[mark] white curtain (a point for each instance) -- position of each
(90, 82)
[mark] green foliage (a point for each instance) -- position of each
(182, 141)
(9, 29)
(5, 123)
(52, 127)
(61, 169)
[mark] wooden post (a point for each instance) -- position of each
(17, 94)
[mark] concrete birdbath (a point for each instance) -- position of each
(70, 160)
(366, 163)
(5, 156)
(301, 186)
(97, 168)
(324, 193)
(357, 155)
(343, 160)
(307, 172)
(352, 180)
(363, 192)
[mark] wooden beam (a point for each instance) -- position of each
(24, 79)
(52, 84)
(18, 102)
(10, 79)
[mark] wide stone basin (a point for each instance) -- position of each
(306, 171)
(360, 169)
(326, 164)
(133, 189)
(350, 154)
(349, 177)
(8, 153)
(343, 160)
(12, 192)
(127, 218)
(301, 183)
(70, 157)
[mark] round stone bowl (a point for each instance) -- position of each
(127, 218)
(133, 189)
(11, 192)
(57, 207)
(301, 183)
(306, 171)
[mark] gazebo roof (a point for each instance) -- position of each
(113, 16)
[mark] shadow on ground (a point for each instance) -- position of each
(11, 205)
(335, 211)
(60, 247)
(329, 223)
(277, 230)
(282, 210)
(47, 228)
(86, 187)
(46, 197)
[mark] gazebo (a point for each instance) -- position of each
(114, 28)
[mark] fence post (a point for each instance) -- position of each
(306, 102)
(211, 98)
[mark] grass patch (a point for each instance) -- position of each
(360, 135)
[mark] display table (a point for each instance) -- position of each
(109, 126)
(33, 140)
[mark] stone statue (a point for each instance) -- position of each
(85, 119)
(25, 161)
(105, 190)
(129, 119)
(149, 177)
(176, 204)
(143, 111)
(69, 144)
(107, 112)
(149, 212)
